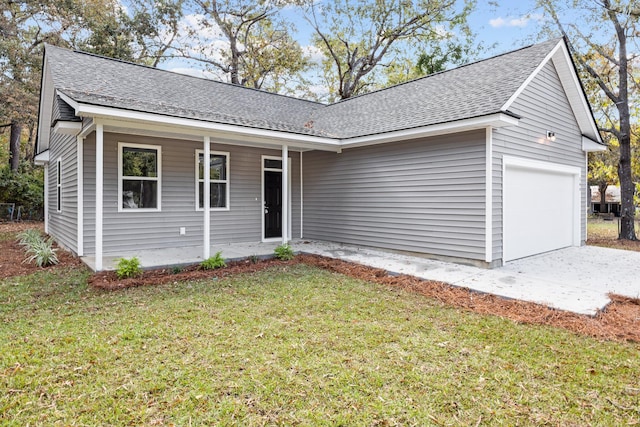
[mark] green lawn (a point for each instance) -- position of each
(292, 346)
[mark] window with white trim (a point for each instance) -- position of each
(59, 185)
(218, 180)
(139, 175)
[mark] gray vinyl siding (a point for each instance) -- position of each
(63, 225)
(542, 106)
(130, 231)
(425, 196)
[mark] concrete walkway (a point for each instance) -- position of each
(572, 279)
(575, 279)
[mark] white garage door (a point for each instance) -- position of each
(541, 207)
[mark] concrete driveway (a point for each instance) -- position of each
(575, 279)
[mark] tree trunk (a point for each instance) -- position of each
(602, 187)
(14, 146)
(627, 190)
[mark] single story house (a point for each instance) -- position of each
(457, 165)
(612, 200)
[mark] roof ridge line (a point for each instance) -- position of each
(95, 55)
(442, 72)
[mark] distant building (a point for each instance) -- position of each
(612, 198)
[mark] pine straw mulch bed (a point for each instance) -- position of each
(12, 255)
(620, 321)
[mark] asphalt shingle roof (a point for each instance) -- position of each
(473, 90)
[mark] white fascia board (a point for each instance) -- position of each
(67, 127)
(42, 158)
(589, 146)
(532, 76)
(120, 118)
(84, 110)
(570, 83)
(494, 120)
(575, 93)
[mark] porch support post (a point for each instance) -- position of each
(488, 237)
(206, 199)
(99, 192)
(285, 194)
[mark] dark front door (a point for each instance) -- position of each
(272, 204)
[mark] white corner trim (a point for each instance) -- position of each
(532, 76)
(46, 197)
(588, 146)
(489, 196)
(301, 198)
(80, 194)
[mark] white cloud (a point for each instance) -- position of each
(519, 22)
(312, 52)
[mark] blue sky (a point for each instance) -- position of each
(500, 28)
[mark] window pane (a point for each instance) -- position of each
(219, 167)
(218, 170)
(139, 194)
(139, 162)
(272, 164)
(200, 195)
(218, 195)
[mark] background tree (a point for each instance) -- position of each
(599, 41)
(246, 41)
(98, 26)
(359, 37)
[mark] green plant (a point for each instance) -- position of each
(42, 252)
(29, 237)
(284, 252)
(213, 262)
(128, 267)
(254, 259)
(176, 270)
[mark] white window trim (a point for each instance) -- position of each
(158, 178)
(59, 184)
(214, 181)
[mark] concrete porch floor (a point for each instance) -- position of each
(576, 279)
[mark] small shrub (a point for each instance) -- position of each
(176, 270)
(284, 252)
(253, 259)
(128, 267)
(213, 262)
(29, 237)
(42, 252)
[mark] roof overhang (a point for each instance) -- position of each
(117, 117)
(496, 120)
(41, 159)
(591, 146)
(65, 127)
(127, 121)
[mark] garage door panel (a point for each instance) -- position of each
(539, 211)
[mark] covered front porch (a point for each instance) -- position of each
(570, 279)
(187, 255)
